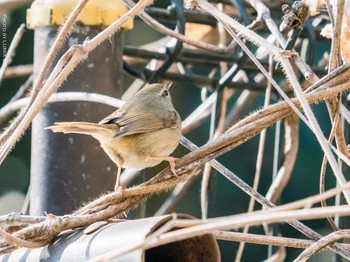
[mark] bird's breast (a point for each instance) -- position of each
(136, 150)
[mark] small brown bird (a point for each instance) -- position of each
(142, 133)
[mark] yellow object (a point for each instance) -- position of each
(96, 13)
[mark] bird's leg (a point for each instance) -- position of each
(117, 183)
(170, 159)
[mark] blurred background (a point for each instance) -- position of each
(225, 198)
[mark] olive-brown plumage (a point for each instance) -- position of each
(140, 134)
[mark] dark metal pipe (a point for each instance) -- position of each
(67, 170)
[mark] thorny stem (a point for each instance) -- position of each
(11, 51)
(251, 36)
(38, 83)
(322, 243)
(333, 104)
(208, 226)
(68, 62)
(77, 53)
(166, 179)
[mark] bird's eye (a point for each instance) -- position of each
(165, 93)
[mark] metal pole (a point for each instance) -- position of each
(67, 170)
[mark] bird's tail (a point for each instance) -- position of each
(85, 128)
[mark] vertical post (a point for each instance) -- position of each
(67, 170)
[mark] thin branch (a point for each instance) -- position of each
(251, 36)
(76, 54)
(208, 226)
(17, 218)
(162, 29)
(334, 61)
(7, 111)
(16, 71)
(105, 207)
(290, 154)
(20, 242)
(263, 240)
(323, 173)
(322, 243)
(11, 51)
(316, 129)
(330, 12)
(263, 201)
(38, 83)
(23, 89)
(264, 14)
(333, 104)
(259, 161)
(217, 124)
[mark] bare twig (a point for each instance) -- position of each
(20, 242)
(334, 60)
(333, 104)
(163, 29)
(322, 243)
(7, 111)
(209, 225)
(217, 124)
(23, 89)
(126, 199)
(11, 51)
(259, 162)
(38, 83)
(20, 70)
(264, 14)
(263, 201)
(323, 172)
(16, 218)
(290, 153)
(251, 36)
(67, 63)
(263, 240)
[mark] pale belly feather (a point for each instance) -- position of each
(134, 151)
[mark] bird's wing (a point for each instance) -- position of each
(135, 123)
